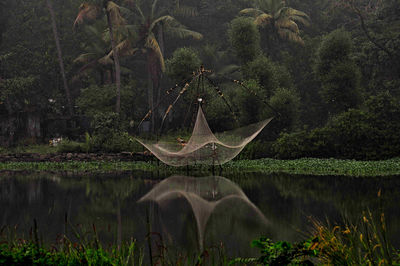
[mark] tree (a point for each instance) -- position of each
(264, 71)
(245, 39)
(281, 19)
(60, 58)
(183, 63)
(147, 33)
(356, 7)
(95, 56)
(339, 75)
(286, 104)
(112, 11)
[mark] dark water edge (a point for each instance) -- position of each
(109, 201)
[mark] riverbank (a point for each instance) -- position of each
(128, 162)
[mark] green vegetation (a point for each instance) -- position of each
(367, 134)
(361, 243)
(71, 67)
(307, 166)
(281, 253)
(30, 254)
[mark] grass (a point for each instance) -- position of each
(87, 249)
(305, 166)
(34, 148)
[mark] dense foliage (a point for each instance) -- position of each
(328, 70)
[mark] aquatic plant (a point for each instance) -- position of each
(306, 166)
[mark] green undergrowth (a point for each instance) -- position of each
(305, 166)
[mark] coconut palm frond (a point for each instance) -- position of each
(86, 11)
(184, 33)
(263, 20)
(142, 16)
(290, 35)
(106, 60)
(152, 44)
(153, 9)
(185, 11)
(288, 24)
(275, 5)
(124, 48)
(298, 16)
(84, 58)
(166, 20)
(254, 12)
(83, 71)
(114, 10)
(125, 12)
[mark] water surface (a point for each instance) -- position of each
(278, 206)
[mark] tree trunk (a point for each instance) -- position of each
(60, 59)
(116, 61)
(150, 91)
(162, 48)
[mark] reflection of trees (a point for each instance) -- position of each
(47, 197)
(287, 199)
(205, 198)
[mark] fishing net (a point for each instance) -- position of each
(205, 147)
(204, 195)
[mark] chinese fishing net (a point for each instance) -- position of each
(205, 147)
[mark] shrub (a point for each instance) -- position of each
(356, 134)
(116, 142)
(281, 253)
(67, 145)
(255, 150)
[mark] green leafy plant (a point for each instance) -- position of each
(281, 253)
(67, 145)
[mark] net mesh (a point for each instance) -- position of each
(205, 147)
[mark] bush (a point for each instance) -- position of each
(67, 145)
(356, 134)
(116, 142)
(281, 253)
(255, 150)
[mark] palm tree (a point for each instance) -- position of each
(282, 19)
(95, 56)
(112, 11)
(147, 33)
(60, 59)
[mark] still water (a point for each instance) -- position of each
(190, 213)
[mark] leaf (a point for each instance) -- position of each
(263, 20)
(115, 14)
(86, 11)
(151, 43)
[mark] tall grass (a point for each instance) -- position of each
(82, 246)
(363, 242)
(86, 250)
